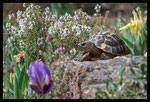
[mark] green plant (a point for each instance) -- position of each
(19, 77)
(52, 36)
(120, 90)
(136, 40)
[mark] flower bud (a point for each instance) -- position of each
(40, 78)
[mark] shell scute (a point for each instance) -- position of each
(110, 42)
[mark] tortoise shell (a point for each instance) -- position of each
(110, 42)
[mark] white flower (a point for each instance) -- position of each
(61, 17)
(31, 24)
(67, 17)
(47, 9)
(87, 17)
(7, 25)
(28, 15)
(75, 17)
(95, 14)
(19, 13)
(56, 51)
(22, 44)
(88, 29)
(67, 58)
(78, 33)
(9, 41)
(24, 4)
(31, 5)
(40, 41)
(19, 33)
(13, 28)
(97, 8)
(22, 23)
(83, 27)
(51, 30)
(58, 25)
(73, 50)
(65, 33)
(75, 28)
(53, 17)
(10, 17)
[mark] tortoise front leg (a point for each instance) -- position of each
(83, 53)
(85, 57)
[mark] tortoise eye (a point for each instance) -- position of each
(83, 44)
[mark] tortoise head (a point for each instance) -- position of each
(86, 46)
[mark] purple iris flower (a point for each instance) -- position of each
(40, 77)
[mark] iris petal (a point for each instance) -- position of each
(136, 25)
(125, 27)
(40, 77)
(36, 89)
(48, 87)
(135, 15)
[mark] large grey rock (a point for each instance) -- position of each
(89, 75)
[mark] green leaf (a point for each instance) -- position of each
(135, 50)
(145, 23)
(16, 89)
(123, 70)
(17, 70)
(21, 78)
(142, 48)
(122, 74)
(11, 87)
(141, 78)
(69, 9)
(142, 69)
(128, 43)
(139, 43)
(11, 91)
(119, 16)
(12, 57)
(144, 40)
(110, 86)
(144, 35)
(24, 84)
(136, 45)
(123, 21)
(101, 95)
(121, 81)
(28, 96)
(132, 70)
(16, 47)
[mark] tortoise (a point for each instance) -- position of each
(103, 45)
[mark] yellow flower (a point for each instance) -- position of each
(135, 25)
(19, 56)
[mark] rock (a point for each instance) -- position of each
(87, 76)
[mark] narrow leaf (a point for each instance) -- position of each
(101, 95)
(21, 77)
(23, 84)
(16, 89)
(128, 43)
(132, 70)
(17, 70)
(123, 21)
